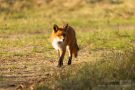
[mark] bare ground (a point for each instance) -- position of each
(29, 70)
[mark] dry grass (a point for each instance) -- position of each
(106, 37)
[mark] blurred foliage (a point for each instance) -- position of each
(15, 5)
(21, 5)
(109, 1)
(109, 70)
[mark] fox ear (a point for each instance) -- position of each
(66, 26)
(55, 28)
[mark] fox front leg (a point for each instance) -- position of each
(62, 54)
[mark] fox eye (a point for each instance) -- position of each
(64, 34)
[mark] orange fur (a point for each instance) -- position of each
(64, 39)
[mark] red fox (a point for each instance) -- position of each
(64, 39)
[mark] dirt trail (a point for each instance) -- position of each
(32, 69)
(17, 71)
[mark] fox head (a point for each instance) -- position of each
(60, 33)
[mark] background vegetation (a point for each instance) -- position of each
(106, 37)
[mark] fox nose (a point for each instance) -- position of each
(59, 42)
(63, 40)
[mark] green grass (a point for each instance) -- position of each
(114, 67)
(1, 77)
(101, 72)
(106, 37)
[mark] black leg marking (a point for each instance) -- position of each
(60, 63)
(69, 60)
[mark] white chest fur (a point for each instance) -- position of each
(58, 45)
